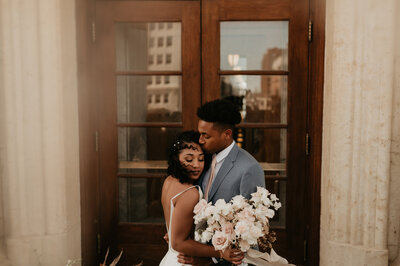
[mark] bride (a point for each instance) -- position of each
(186, 162)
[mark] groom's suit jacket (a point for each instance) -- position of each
(240, 174)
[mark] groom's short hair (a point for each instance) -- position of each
(221, 111)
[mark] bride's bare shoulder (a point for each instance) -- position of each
(189, 196)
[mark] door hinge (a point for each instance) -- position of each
(310, 30)
(308, 144)
(98, 243)
(93, 31)
(305, 250)
(96, 137)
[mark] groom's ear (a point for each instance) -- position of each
(228, 133)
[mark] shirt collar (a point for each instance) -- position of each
(224, 153)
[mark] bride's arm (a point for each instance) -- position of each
(182, 222)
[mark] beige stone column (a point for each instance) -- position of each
(394, 200)
(357, 128)
(40, 173)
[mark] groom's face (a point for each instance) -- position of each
(212, 139)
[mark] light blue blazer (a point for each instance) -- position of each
(240, 174)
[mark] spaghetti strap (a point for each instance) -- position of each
(172, 210)
(171, 259)
(177, 195)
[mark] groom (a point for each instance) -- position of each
(233, 171)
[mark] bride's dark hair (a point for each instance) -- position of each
(183, 141)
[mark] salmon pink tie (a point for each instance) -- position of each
(210, 179)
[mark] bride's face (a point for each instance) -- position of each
(192, 159)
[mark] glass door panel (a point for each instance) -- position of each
(246, 46)
(148, 81)
(257, 54)
(254, 45)
(145, 97)
(151, 46)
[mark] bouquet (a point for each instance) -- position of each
(240, 223)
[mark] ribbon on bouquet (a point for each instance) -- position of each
(264, 259)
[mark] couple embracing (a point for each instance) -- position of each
(191, 176)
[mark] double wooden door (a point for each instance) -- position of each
(156, 62)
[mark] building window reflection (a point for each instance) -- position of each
(166, 80)
(168, 59)
(160, 41)
(159, 59)
(169, 41)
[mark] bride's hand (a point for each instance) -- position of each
(166, 238)
(232, 255)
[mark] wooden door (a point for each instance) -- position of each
(256, 53)
(148, 83)
(156, 62)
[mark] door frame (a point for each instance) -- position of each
(88, 126)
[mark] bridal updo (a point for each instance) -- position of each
(183, 141)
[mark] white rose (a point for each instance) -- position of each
(238, 202)
(223, 207)
(270, 213)
(277, 205)
(197, 236)
(206, 236)
(267, 202)
(241, 228)
(256, 232)
(200, 206)
(261, 211)
(273, 197)
(247, 214)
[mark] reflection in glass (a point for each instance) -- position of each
(268, 146)
(140, 200)
(255, 45)
(142, 144)
(261, 99)
(136, 42)
(163, 94)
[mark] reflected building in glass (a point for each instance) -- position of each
(164, 54)
(148, 90)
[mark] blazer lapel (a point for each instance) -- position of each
(223, 171)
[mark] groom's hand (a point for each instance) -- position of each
(234, 256)
(200, 261)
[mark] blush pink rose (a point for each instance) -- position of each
(220, 241)
(200, 206)
(227, 229)
(241, 228)
(246, 215)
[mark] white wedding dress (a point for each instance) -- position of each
(171, 258)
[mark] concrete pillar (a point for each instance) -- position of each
(357, 131)
(39, 144)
